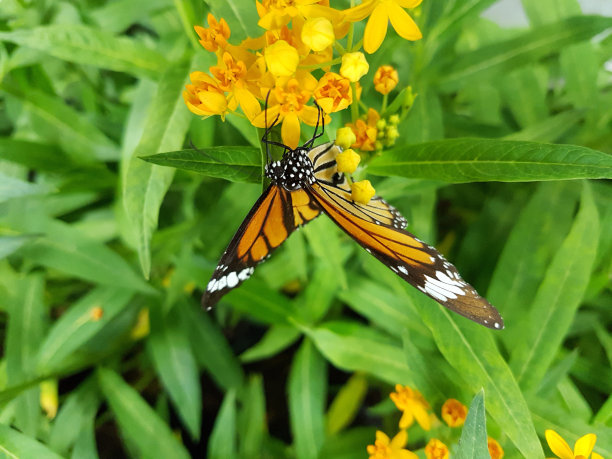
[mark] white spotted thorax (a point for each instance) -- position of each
(293, 171)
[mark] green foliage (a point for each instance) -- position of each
(111, 224)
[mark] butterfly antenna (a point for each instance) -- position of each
(320, 122)
(264, 138)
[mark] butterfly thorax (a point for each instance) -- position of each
(293, 171)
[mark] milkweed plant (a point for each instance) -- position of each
(132, 150)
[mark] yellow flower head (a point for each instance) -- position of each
(204, 97)
(384, 448)
(582, 448)
(362, 192)
(435, 449)
(281, 58)
(381, 12)
(495, 449)
(215, 36)
(414, 406)
(354, 66)
(345, 137)
(385, 79)
(318, 33)
(348, 161)
(454, 412)
(276, 13)
(365, 131)
(333, 93)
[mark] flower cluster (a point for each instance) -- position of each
(414, 407)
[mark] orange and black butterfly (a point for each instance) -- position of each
(304, 183)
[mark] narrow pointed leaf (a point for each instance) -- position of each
(14, 444)
(473, 441)
(222, 440)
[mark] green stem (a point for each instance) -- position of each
(354, 106)
(322, 65)
(383, 107)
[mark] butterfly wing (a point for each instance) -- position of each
(275, 215)
(379, 228)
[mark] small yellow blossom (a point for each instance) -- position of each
(348, 161)
(495, 449)
(414, 406)
(362, 192)
(582, 448)
(354, 66)
(394, 119)
(276, 13)
(333, 93)
(454, 412)
(49, 397)
(345, 137)
(366, 131)
(204, 97)
(385, 79)
(435, 449)
(381, 12)
(318, 33)
(215, 36)
(384, 448)
(142, 327)
(282, 59)
(96, 313)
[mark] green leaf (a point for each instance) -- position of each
(222, 440)
(33, 155)
(236, 164)
(473, 441)
(138, 422)
(483, 160)
(11, 188)
(550, 129)
(76, 326)
(497, 58)
(239, 16)
(210, 347)
(14, 444)
(346, 404)
(175, 364)
(63, 125)
(428, 374)
(307, 396)
(10, 244)
(354, 347)
(558, 297)
(261, 302)
(350, 444)
(145, 185)
(252, 419)
(277, 338)
(471, 350)
(90, 46)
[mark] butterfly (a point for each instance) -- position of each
(306, 183)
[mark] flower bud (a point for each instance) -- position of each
(354, 66)
(281, 58)
(348, 161)
(318, 33)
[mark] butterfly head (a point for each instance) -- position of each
(292, 172)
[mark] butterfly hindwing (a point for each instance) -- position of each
(275, 215)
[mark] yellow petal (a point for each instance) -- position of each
(596, 456)
(421, 416)
(249, 104)
(403, 24)
(584, 445)
(360, 12)
(376, 29)
(399, 441)
(382, 437)
(558, 445)
(290, 131)
(408, 3)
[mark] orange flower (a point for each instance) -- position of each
(215, 36)
(385, 79)
(495, 449)
(366, 132)
(234, 78)
(454, 412)
(435, 449)
(204, 97)
(384, 448)
(333, 93)
(414, 406)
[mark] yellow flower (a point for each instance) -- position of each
(204, 97)
(582, 448)
(435, 449)
(281, 58)
(333, 93)
(365, 131)
(276, 13)
(215, 36)
(454, 412)
(384, 448)
(354, 66)
(348, 161)
(414, 406)
(362, 192)
(381, 12)
(288, 100)
(318, 33)
(495, 449)
(385, 79)
(233, 78)
(48, 397)
(345, 137)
